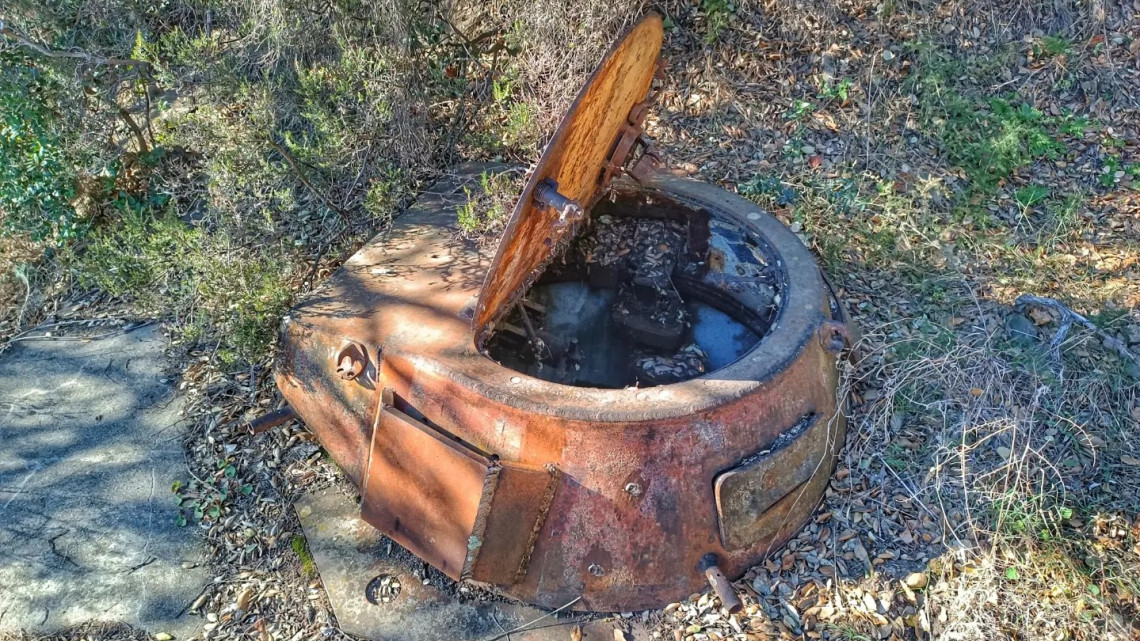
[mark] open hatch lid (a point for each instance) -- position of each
(574, 160)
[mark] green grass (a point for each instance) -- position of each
(487, 206)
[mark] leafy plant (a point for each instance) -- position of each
(37, 174)
(839, 92)
(800, 110)
(1030, 195)
(207, 501)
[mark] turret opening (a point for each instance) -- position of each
(650, 291)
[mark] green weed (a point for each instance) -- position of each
(718, 15)
(486, 208)
(799, 110)
(301, 549)
(207, 501)
(1052, 46)
(839, 92)
(1030, 195)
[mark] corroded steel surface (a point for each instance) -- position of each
(610, 495)
(441, 485)
(574, 159)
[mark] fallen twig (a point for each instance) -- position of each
(1068, 318)
(26, 334)
(527, 625)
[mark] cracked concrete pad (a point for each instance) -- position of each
(349, 554)
(91, 444)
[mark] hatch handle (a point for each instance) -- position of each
(569, 211)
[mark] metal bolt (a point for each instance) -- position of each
(596, 569)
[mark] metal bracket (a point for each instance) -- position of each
(632, 136)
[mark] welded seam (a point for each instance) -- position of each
(475, 542)
(539, 522)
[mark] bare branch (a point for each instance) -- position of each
(305, 180)
(74, 54)
(134, 127)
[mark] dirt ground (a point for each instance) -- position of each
(968, 174)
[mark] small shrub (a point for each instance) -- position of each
(37, 174)
(485, 211)
(718, 15)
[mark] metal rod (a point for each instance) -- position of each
(720, 584)
(271, 420)
(529, 327)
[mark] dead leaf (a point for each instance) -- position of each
(244, 598)
(576, 633)
(1130, 460)
(815, 161)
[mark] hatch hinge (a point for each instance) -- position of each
(618, 163)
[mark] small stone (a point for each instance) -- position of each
(888, 55)
(163, 636)
(916, 580)
(1021, 329)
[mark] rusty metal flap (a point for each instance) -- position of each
(425, 489)
(747, 491)
(516, 516)
(572, 164)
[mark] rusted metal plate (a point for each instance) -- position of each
(424, 489)
(745, 492)
(574, 159)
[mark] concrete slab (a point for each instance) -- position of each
(349, 554)
(90, 446)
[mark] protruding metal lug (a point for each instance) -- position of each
(834, 336)
(271, 420)
(720, 584)
(350, 361)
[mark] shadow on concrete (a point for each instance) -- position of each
(91, 444)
